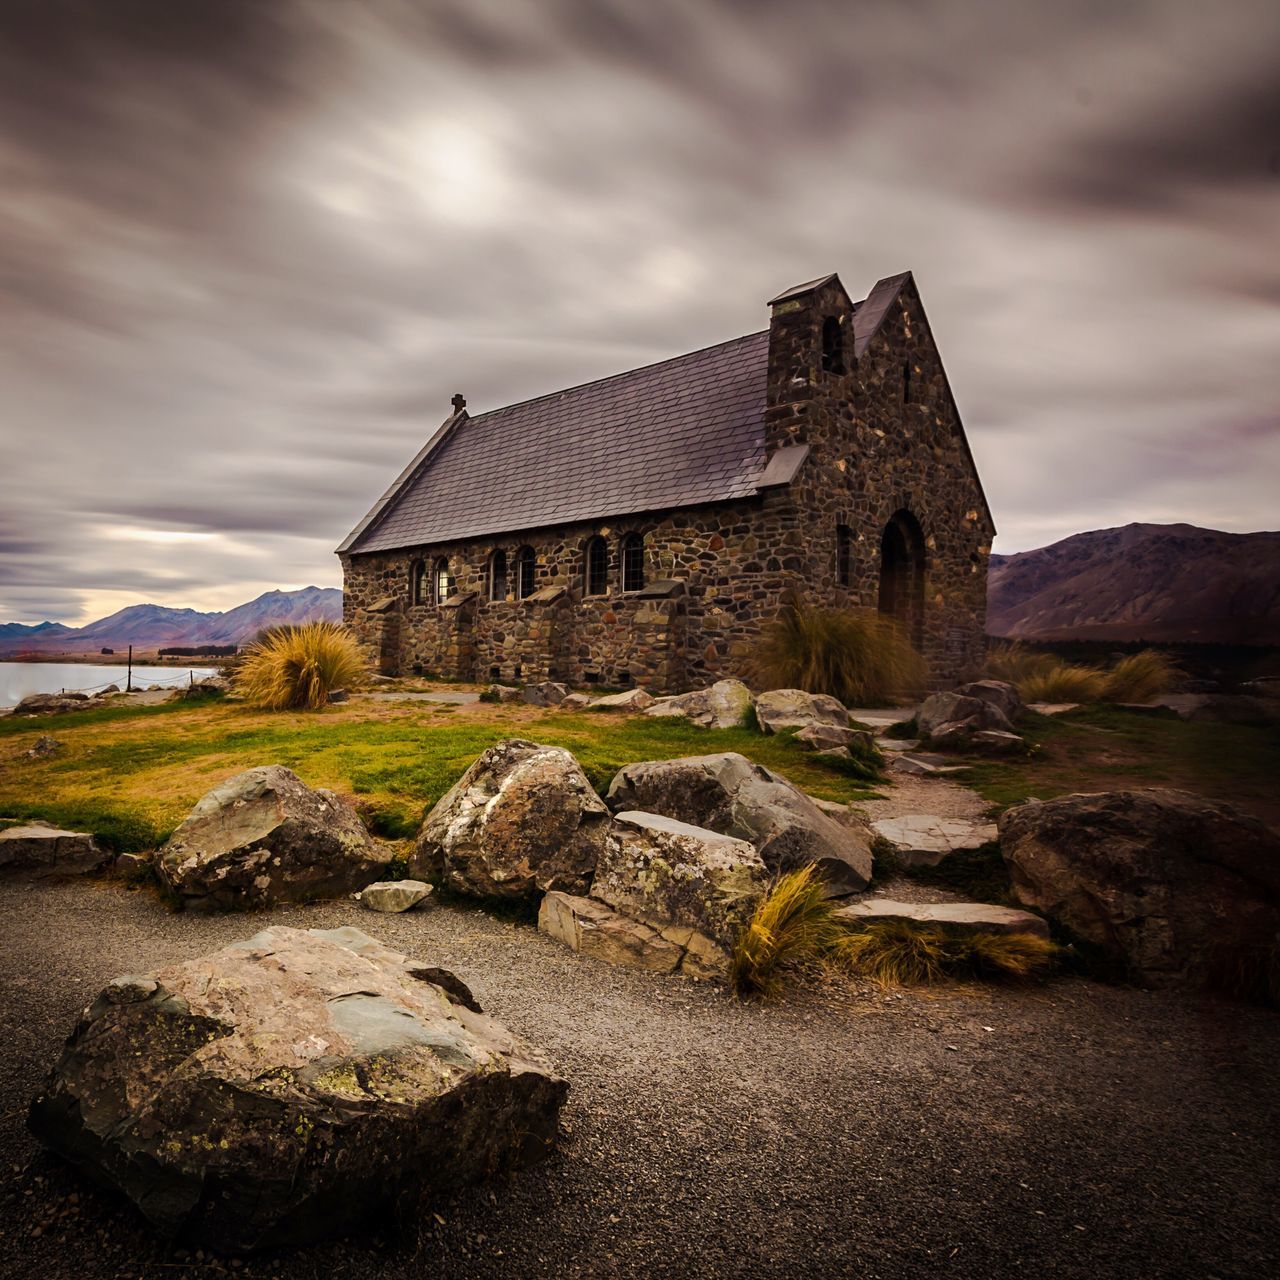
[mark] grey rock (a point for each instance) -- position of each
(45, 704)
(129, 989)
(575, 702)
(959, 917)
(338, 695)
(628, 700)
(393, 896)
(593, 929)
(43, 747)
(795, 709)
(547, 693)
(957, 709)
(1053, 708)
(523, 819)
(722, 706)
(216, 1101)
(899, 744)
(922, 840)
(730, 794)
(997, 742)
(916, 766)
(1174, 886)
(264, 836)
(829, 737)
(505, 693)
(997, 693)
(39, 849)
(666, 872)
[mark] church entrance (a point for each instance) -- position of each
(902, 574)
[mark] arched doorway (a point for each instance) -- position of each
(902, 574)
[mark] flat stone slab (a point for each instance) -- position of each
(393, 896)
(923, 840)
(879, 718)
(963, 917)
(40, 849)
(1053, 708)
(919, 767)
(899, 744)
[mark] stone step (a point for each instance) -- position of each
(922, 840)
(963, 917)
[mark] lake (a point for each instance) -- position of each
(17, 679)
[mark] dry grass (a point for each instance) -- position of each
(896, 953)
(1014, 662)
(1140, 677)
(296, 668)
(792, 924)
(1064, 682)
(857, 656)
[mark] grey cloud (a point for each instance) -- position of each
(249, 250)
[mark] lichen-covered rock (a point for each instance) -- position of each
(393, 896)
(588, 926)
(43, 748)
(504, 693)
(732, 795)
(1174, 886)
(922, 840)
(290, 1086)
(669, 873)
(831, 737)
(45, 704)
(264, 836)
(523, 819)
(39, 849)
(796, 709)
(724, 705)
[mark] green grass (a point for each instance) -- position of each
(131, 774)
(1106, 749)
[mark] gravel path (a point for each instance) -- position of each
(1070, 1131)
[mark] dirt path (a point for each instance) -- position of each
(938, 796)
(1070, 1131)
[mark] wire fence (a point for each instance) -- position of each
(143, 682)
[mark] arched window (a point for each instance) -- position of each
(498, 576)
(441, 581)
(418, 582)
(596, 568)
(844, 555)
(526, 563)
(633, 562)
(832, 346)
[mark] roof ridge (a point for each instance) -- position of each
(609, 377)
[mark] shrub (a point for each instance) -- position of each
(1014, 662)
(1063, 682)
(897, 953)
(792, 924)
(1140, 677)
(297, 667)
(857, 656)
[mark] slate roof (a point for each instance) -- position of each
(678, 433)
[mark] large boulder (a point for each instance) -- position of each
(795, 709)
(952, 714)
(546, 693)
(40, 849)
(292, 1085)
(588, 926)
(1170, 884)
(523, 819)
(636, 699)
(264, 836)
(665, 872)
(922, 840)
(996, 693)
(722, 706)
(45, 704)
(730, 794)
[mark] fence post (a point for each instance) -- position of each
(128, 681)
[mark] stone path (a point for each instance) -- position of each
(923, 840)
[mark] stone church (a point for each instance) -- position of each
(643, 528)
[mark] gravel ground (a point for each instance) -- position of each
(1072, 1130)
(937, 796)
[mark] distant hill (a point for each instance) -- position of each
(152, 626)
(1160, 582)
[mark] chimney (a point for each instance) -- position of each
(810, 340)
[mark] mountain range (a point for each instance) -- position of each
(152, 626)
(1158, 582)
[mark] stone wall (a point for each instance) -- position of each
(881, 442)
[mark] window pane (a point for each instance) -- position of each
(498, 576)
(597, 567)
(526, 573)
(633, 563)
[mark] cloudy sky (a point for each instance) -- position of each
(250, 248)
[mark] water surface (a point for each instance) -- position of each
(17, 679)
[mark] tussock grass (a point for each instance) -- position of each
(792, 924)
(1140, 677)
(896, 953)
(857, 656)
(295, 668)
(1014, 662)
(1064, 682)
